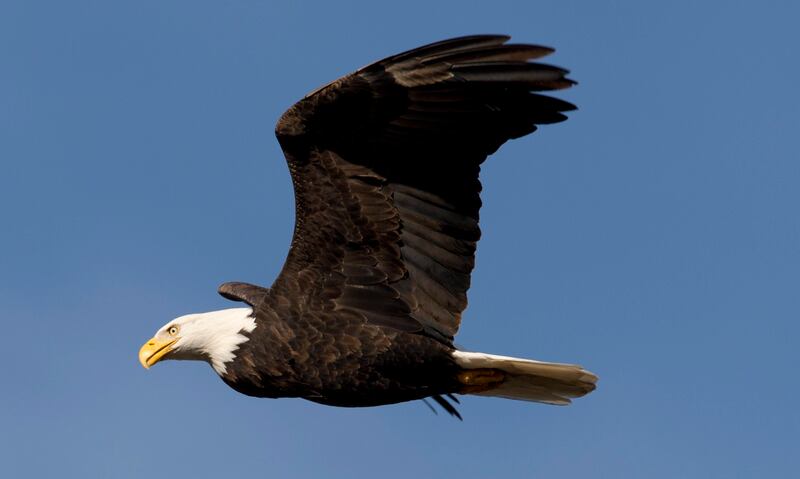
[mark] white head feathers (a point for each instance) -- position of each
(213, 337)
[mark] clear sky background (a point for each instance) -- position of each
(654, 238)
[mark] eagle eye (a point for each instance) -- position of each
(173, 330)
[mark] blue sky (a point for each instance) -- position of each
(653, 238)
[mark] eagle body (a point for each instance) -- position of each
(385, 165)
(339, 361)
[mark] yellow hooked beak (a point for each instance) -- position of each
(154, 350)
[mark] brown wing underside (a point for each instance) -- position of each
(385, 166)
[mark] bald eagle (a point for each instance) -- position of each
(385, 165)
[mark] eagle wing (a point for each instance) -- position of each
(385, 165)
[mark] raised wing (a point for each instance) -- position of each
(385, 165)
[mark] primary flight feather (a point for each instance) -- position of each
(385, 164)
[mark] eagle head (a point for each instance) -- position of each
(212, 337)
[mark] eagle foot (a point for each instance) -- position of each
(479, 380)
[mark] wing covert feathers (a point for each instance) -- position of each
(385, 165)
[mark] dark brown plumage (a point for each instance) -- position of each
(385, 165)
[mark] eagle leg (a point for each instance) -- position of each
(478, 380)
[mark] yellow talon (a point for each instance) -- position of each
(479, 380)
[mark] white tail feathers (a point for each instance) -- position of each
(529, 380)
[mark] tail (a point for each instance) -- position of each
(522, 379)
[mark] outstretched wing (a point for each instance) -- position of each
(385, 165)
